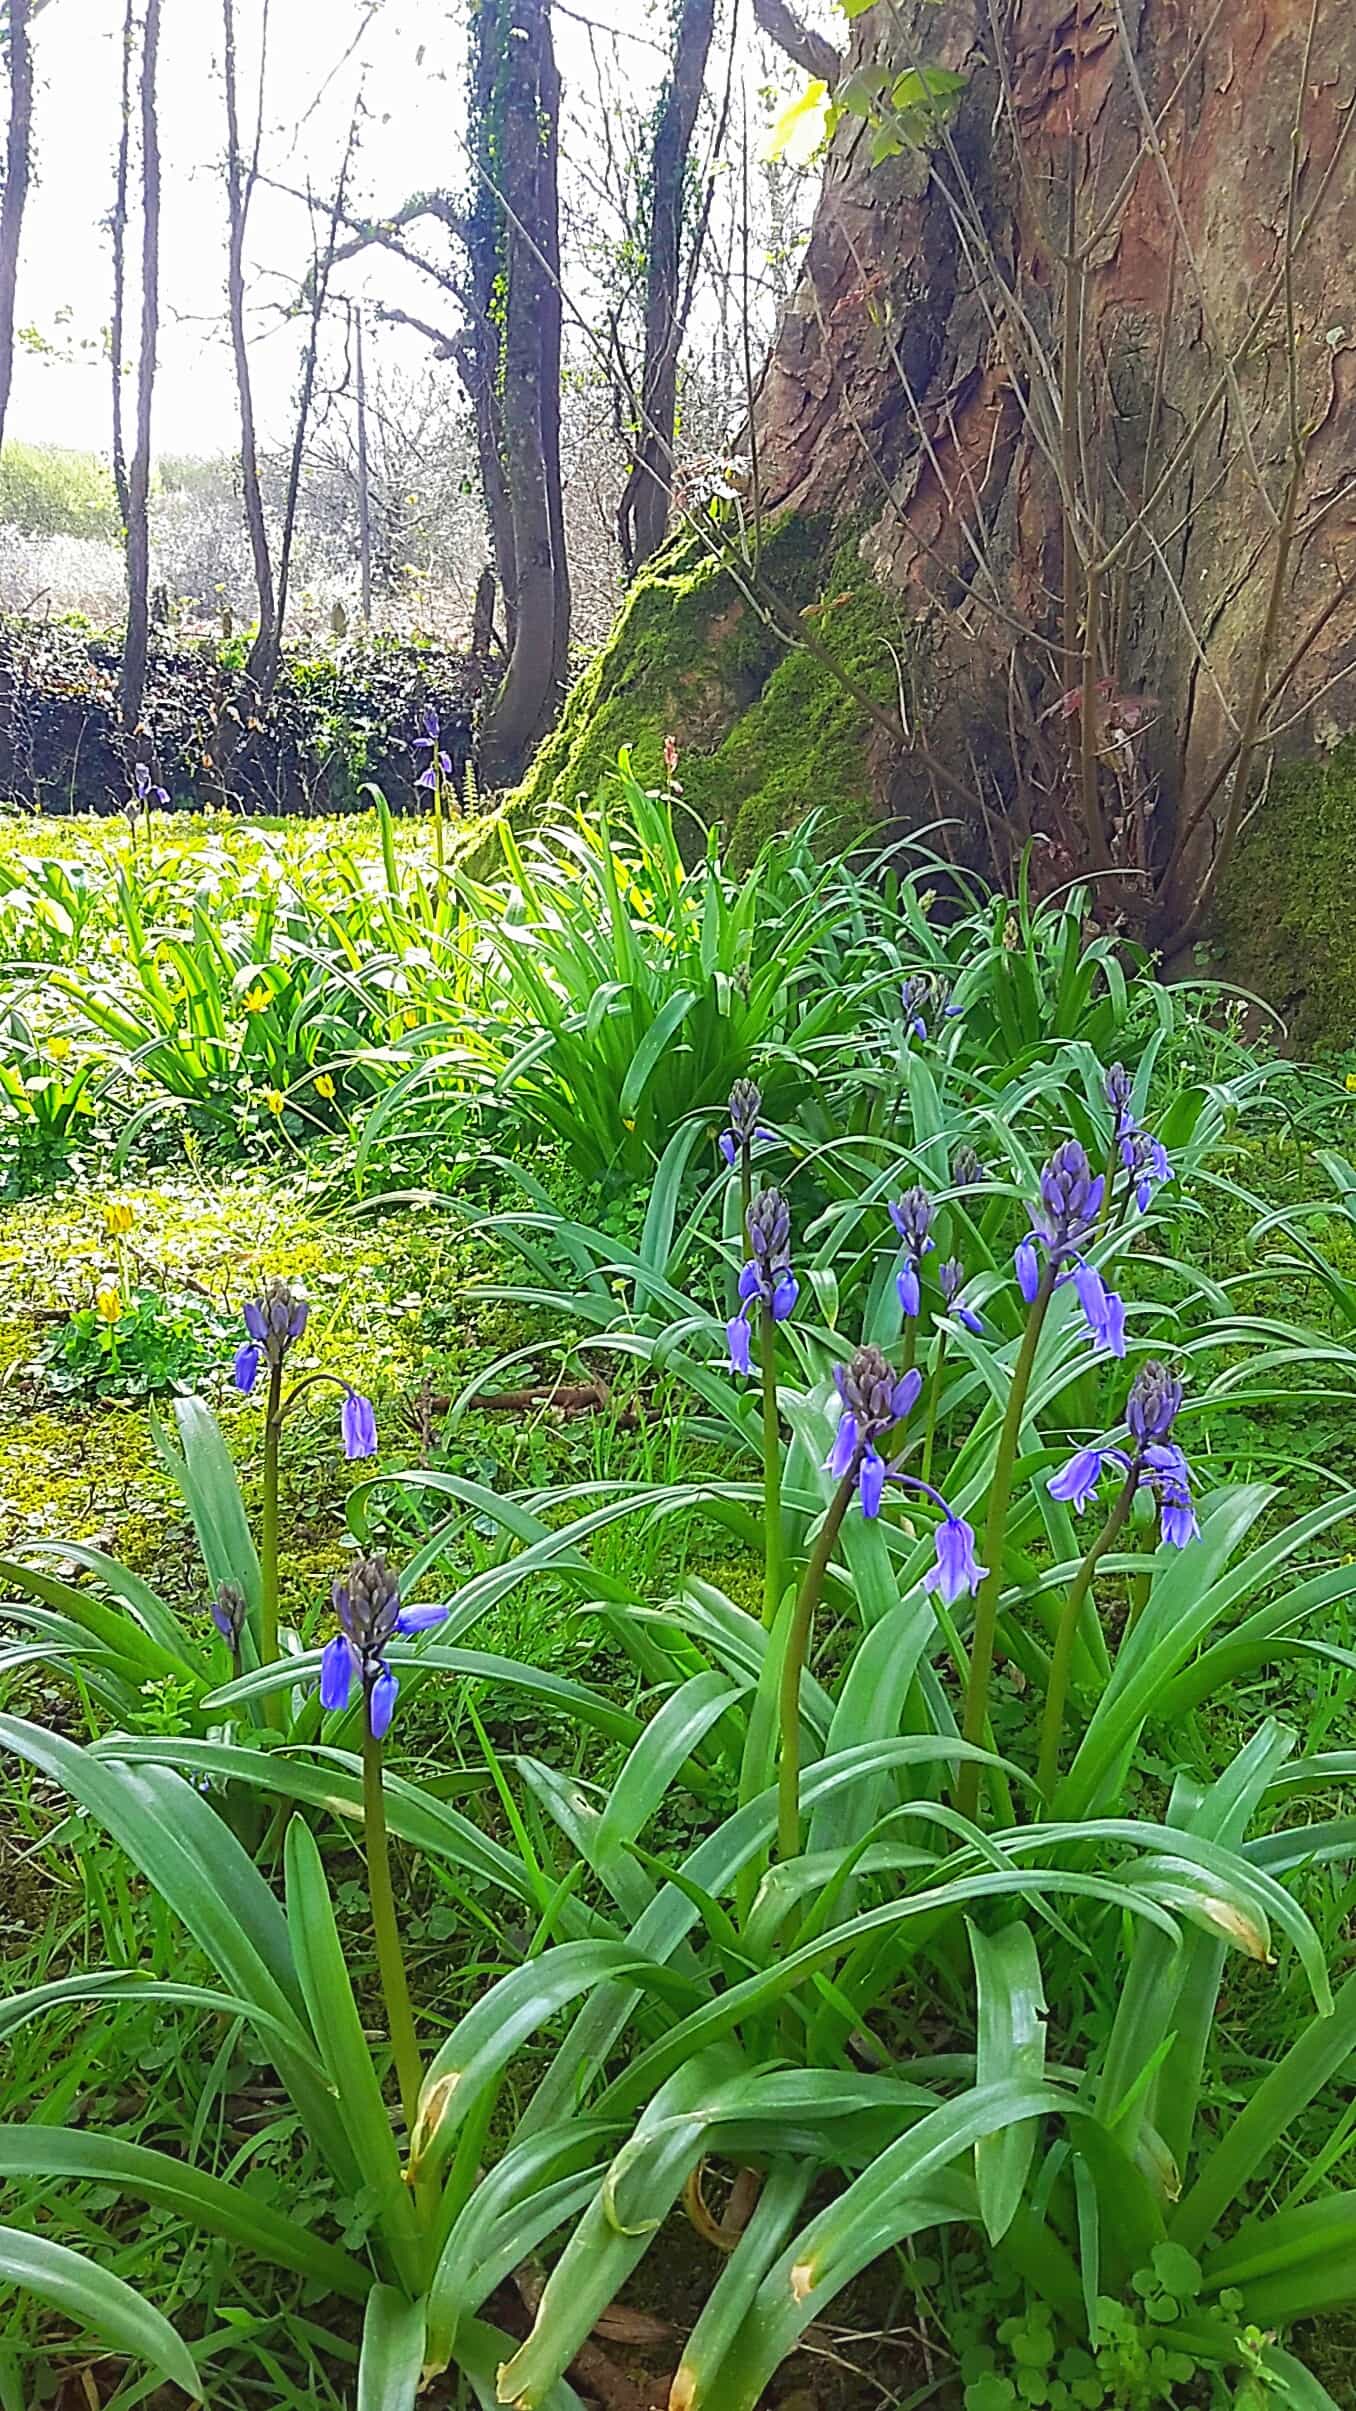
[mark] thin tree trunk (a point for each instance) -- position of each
(239, 193)
(116, 344)
(139, 480)
(643, 514)
(364, 476)
(524, 703)
(17, 169)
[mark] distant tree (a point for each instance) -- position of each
(242, 176)
(18, 167)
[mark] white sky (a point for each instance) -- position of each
(412, 138)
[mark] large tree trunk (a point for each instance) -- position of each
(1032, 403)
(527, 132)
(18, 147)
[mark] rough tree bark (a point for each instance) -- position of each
(138, 538)
(18, 162)
(524, 132)
(1031, 411)
(643, 513)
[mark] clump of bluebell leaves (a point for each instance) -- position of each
(275, 1321)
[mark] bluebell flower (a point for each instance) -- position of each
(912, 1218)
(367, 1604)
(1156, 1463)
(438, 761)
(143, 788)
(914, 995)
(1071, 1200)
(229, 1611)
(767, 1279)
(745, 1130)
(275, 1321)
(966, 1169)
(1144, 1157)
(1104, 1310)
(358, 1424)
(950, 1280)
(874, 1399)
(955, 1573)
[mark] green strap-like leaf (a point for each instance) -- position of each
(98, 2300)
(392, 2358)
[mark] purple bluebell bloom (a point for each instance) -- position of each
(956, 1572)
(367, 1604)
(767, 1278)
(438, 761)
(1156, 1463)
(144, 790)
(1143, 1156)
(912, 1218)
(229, 1611)
(966, 1169)
(1104, 1310)
(1071, 1200)
(745, 1130)
(275, 1321)
(914, 996)
(874, 1399)
(950, 1280)
(358, 1424)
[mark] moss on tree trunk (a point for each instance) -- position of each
(1286, 924)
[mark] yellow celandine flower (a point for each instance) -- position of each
(258, 1000)
(108, 1303)
(274, 1100)
(324, 1086)
(118, 1219)
(1351, 1082)
(59, 1049)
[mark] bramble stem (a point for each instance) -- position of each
(772, 1471)
(797, 1649)
(986, 1605)
(1057, 1690)
(386, 1933)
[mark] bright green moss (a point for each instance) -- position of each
(1285, 918)
(765, 732)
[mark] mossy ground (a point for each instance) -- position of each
(1287, 914)
(766, 733)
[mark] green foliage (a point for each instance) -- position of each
(138, 1346)
(48, 491)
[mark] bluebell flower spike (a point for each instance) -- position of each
(1156, 1463)
(367, 1604)
(951, 1281)
(912, 1217)
(767, 1280)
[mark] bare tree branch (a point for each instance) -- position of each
(812, 51)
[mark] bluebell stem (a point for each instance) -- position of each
(1155, 1462)
(767, 1277)
(367, 1604)
(912, 1218)
(1066, 1222)
(951, 1280)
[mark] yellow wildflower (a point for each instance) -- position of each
(108, 1303)
(274, 1100)
(324, 1086)
(258, 999)
(59, 1049)
(118, 1219)
(1351, 1082)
